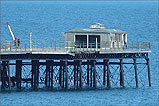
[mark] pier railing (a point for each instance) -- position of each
(62, 46)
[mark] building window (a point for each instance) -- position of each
(81, 41)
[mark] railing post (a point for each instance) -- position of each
(25, 47)
(55, 45)
(138, 44)
(95, 46)
(150, 45)
(73, 46)
(46, 43)
(60, 43)
(67, 45)
(41, 44)
(5, 46)
(10, 45)
(50, 43)
(36, 44)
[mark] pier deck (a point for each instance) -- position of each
(60, 47)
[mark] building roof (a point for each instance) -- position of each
(96, 28)
(96, 31)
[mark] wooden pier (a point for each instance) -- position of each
(54, 65)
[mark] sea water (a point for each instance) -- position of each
(46, 20)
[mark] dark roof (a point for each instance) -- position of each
(97, 31)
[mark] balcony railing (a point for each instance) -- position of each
(62, 46)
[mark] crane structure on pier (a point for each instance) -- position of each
(15, 39)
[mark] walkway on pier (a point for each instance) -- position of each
(61, 47)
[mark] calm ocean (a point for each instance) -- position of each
(46, 20)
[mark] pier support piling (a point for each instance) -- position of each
(104, 73)
(91, 74)
(136, 76)
(80, 71)
(75, 74)
(52, 71)
(66, 75)
(47, 76)
(32, 78)
(88, 62)
(94, 74)
(35, 69)
(84, 70)
(60, 75)
(108, 74)
(148, 69)
(63, 75)
(9, 76)
(121, 73)
(18, 73)
(3, 74)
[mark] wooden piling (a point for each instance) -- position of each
(94, 74)
(66, 75)
(91, 74)
(34, 73)
(3, 74)
(88, 72)
(9, 76)
(35, 69)
(63, 75)
(108, 74)
(60, 75)
(80, 70)
(32, 78)
(18, 73)
(77, 73)
(148, 69)
(52, 71)
(135, 68)
(104, 73)
(75, 70)
(47, 77)
(121, 73)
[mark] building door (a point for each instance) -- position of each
(81, 41)
(94, 41)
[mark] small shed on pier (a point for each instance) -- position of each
(97, 36)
